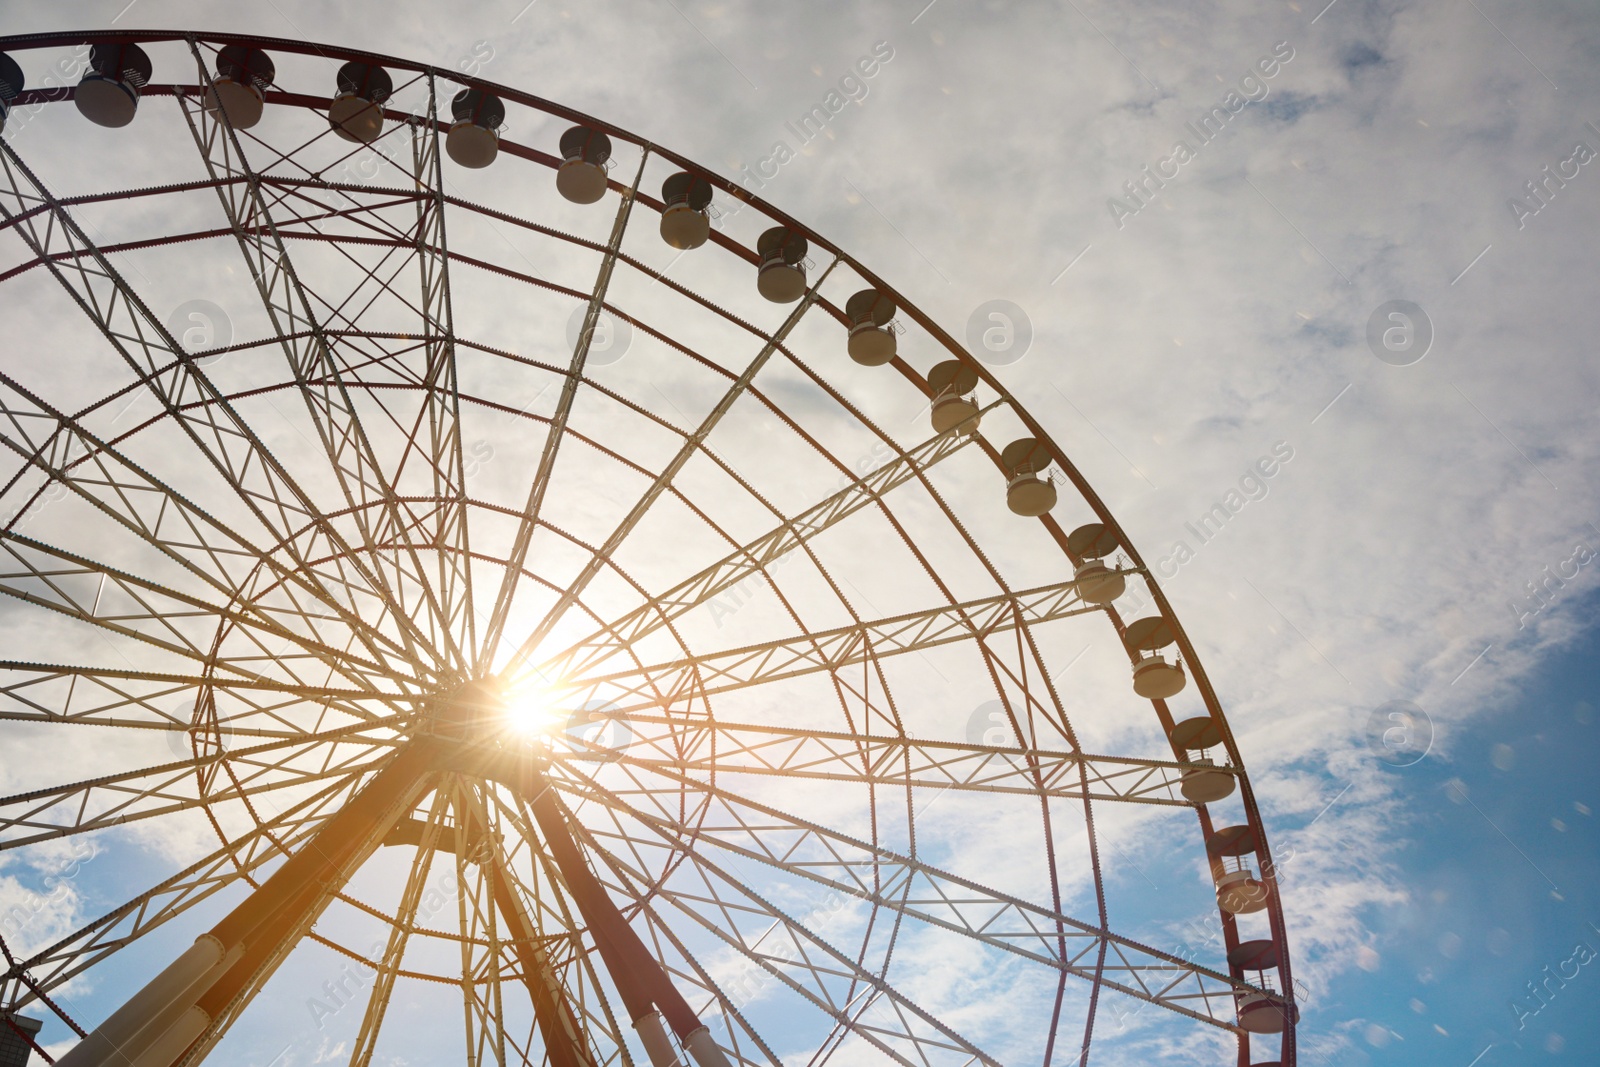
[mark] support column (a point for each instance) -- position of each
(563, 1033)
(156, 1026)
(647, 992)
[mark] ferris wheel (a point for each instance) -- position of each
(455, 592)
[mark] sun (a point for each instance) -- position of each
(532, 711)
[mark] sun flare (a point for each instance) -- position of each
(532, 711)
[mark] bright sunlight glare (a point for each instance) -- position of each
(532, 711)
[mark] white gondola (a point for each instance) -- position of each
(1205, 786)
(1199, 784)
(1154, 676)
(1029, 490)
(474, 137)
(954, 408)
(872, 341)
(1196, 734)
(1265, 1012)
(1030, 495)
(239, 90)
(1239, 892)
(581, 178)
(356, 113)
(781, 277)
(108, 95)
(1098, 582)
(1261, 1010)
(684, 199)
(11, 83)
(1260, 955)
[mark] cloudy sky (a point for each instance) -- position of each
(1380, 266)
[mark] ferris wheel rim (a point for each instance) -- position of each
(1196, 668)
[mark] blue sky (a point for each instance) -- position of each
(1182, 330)
(1503, 855)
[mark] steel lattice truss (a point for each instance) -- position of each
(272, 590)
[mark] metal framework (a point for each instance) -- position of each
(681, 819)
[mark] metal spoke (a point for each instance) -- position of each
(690, 446)
(151, 705)
(755, 556)
(121, 795)
(558, 425)
(93, 942)
(833, 650)
(181, 624)
(405, 918)
(710, 747)
(309, 353)
(166, 370)
(480, 941)
(98, 473)
(736, 825)
(806, 963)
(443, 398)
(41, 825)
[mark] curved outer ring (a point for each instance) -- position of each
(1268, 870)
